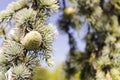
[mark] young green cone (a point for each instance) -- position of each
(32, 40)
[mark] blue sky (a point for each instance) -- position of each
(61, 44)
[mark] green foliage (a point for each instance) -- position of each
(22, 48)
(57, 74)
(40, 74)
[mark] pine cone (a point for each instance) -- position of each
(32, 40)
